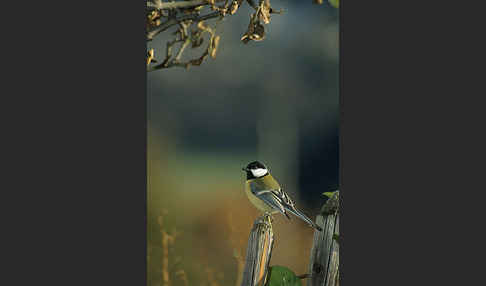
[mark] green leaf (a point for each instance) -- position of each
(328, 194)
(282, 276)
(336, 237)
(334, 3)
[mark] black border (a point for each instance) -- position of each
(75, 144)
(409, 102)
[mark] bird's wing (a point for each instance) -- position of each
(302, 216)
(289, 206)
(270, 197)
(280, 200)
(284, 198)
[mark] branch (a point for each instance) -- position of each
(189, 11)
(179, 4)
(187, 41)
(304, 276)
(186, 38)
(174, 21)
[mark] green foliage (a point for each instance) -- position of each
(336, 237)
(334, 3)
(332, 204)
(282, 276)
(329, 194)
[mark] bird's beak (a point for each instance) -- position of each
(244, 169)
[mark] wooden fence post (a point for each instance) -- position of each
(324, 258)
(258, 252)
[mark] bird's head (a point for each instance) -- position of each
(255, 169)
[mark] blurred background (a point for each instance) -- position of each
(276, 101)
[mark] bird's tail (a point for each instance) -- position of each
(299, 214)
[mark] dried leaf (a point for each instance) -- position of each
(235, 4)
(255, 32)
(214, 46)
(201, 25)
(264, 11)
(150, 56)
(153, 19)
(259, 33)
(234, 7)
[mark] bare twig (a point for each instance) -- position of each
(173, 5)
(186, 38)
(304, 276)
(179, 4)
(174, 21)
(164, 15)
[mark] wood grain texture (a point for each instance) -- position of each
(324, 258)
(258, 253)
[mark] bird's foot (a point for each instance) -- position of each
(268, 217)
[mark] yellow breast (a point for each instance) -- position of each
(258, 203)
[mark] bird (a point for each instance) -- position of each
(265, 193)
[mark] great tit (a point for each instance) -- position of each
(265, 193)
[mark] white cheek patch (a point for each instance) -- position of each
(259, 172)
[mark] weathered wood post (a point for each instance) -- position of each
(258, 252)
(324, 258)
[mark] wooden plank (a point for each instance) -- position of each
(332, 278)
(258, 252)
(324, 258)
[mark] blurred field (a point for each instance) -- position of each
(204, 205)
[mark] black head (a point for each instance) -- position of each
(255, 170)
